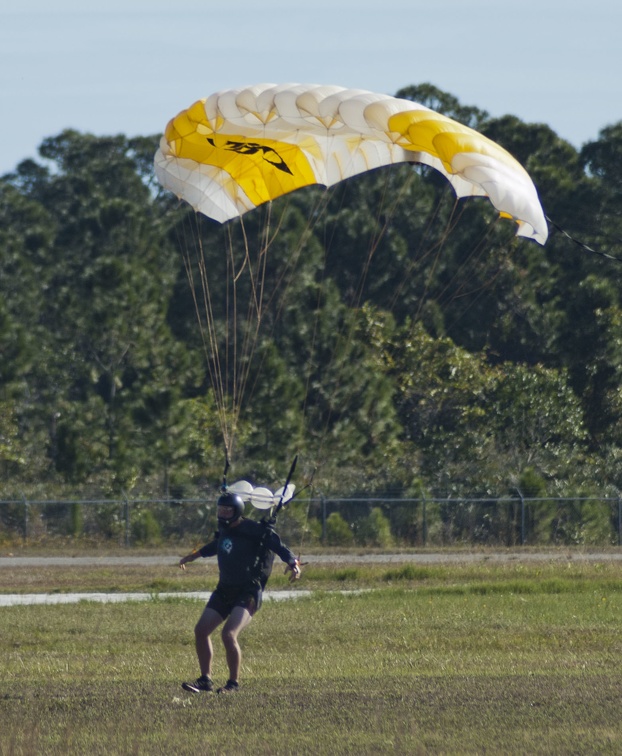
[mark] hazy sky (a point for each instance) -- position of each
(113, 66)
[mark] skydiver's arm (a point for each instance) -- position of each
(286, 556)
(205, 551)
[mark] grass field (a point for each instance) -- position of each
(487, 658)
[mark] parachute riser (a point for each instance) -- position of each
(223, 487)
(288, 480)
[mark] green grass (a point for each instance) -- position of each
(470, 659)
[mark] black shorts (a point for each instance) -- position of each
(225, 598)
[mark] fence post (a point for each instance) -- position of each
(26, 518)
(522, 517)
(619, 520)
(323, 499)
(126, 507)
(424, 526)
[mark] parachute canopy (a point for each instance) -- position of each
(239, 148)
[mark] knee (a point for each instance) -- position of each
(229, 638)
(200, 631)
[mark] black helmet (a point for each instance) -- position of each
(231, 500)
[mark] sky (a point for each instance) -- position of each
(128, 66)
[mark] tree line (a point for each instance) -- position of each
(410, 344)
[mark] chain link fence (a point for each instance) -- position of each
(374, 522)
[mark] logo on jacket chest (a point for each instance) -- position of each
(226, 545)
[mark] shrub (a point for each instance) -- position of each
(146, 529)
(375, 529)
(338, 532)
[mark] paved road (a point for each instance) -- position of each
(417, 558)
(47, 599)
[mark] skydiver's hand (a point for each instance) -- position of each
(184, 560)
(295, 570)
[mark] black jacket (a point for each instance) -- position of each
(246, 553)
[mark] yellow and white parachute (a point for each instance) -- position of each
(240, 148)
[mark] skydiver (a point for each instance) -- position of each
(245, 551)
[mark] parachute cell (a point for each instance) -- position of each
(240, 148)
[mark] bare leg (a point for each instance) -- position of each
(206, 625)
(237, 621)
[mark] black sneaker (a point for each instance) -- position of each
(231, 687)
(201, 685)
